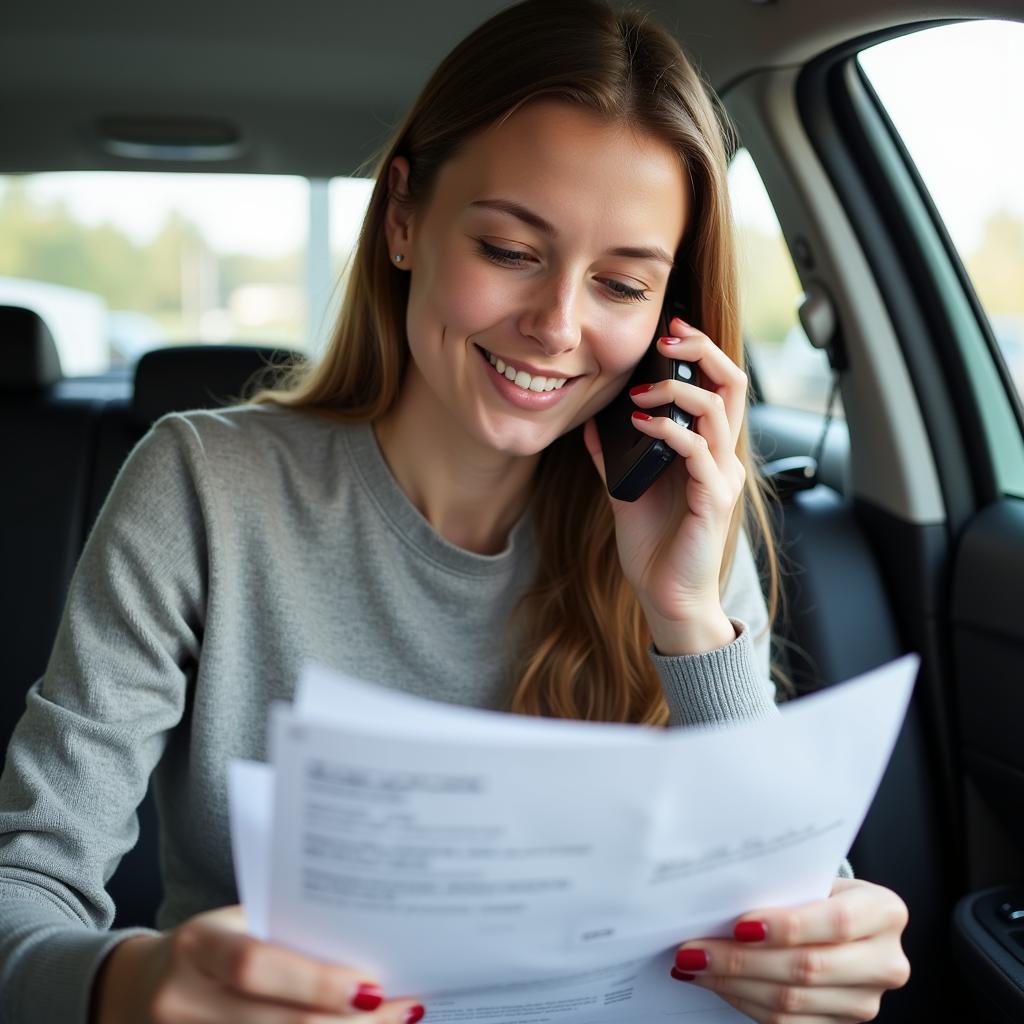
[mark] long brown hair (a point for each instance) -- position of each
(581, 639)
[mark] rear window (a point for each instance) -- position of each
(118, 263)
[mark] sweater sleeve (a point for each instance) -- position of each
(94, 727)
(734, 681)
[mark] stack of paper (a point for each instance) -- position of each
(504, 868)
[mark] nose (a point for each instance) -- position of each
(552, 318)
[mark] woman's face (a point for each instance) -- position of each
(546, 244)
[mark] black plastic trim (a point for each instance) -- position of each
(996, 975)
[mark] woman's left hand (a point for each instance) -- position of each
(821, 963)
(671, 540)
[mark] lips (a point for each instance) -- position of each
(533, 371)
(527, 399)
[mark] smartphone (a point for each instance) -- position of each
(632, 460)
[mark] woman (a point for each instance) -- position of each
(425, 509)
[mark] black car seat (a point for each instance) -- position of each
(838, 623)
(47, 444)
(62, 454)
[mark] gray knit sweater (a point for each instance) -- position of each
(233, 546)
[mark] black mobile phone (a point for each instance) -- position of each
(632, 460)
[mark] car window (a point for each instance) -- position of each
(118, 263)
(963, 132)
(790, 371)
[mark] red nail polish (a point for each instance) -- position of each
(750, 931)
(691, 960)
(682, 975)
(670, 340)
(640, 415)
(415, 1013)
(640, 389)
(368, 997)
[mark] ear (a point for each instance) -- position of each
(399, 215)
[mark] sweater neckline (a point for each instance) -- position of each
(408, 523)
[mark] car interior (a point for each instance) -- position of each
(901, 518)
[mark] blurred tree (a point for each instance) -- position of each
(769, 287)
(237, 269)
(43, 241)
(996, 266)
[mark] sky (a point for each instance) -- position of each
(954, 93)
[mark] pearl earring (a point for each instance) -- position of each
(399, 257)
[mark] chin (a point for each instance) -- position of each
(520, 440)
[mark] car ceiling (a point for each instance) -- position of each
(314, 87)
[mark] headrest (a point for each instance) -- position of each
(184, 377)
(29, 360)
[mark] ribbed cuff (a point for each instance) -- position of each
(716, 686)
(53, 978)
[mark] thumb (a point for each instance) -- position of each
(593, 445)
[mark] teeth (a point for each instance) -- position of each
(522, 379)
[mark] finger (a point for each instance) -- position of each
(852, 1002)
(877, 961)
(263, 970)
(223, 1007)
(706, 406)
(592, 442)
(693, 448)
(758, 1013)
(855, 909)
(718, 371)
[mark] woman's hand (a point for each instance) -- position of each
(671, 540)
(209, 970)
(821, 963)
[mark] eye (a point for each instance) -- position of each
(503, 257)
(518, 258)
(624, 292)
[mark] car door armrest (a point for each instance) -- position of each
(988, 941)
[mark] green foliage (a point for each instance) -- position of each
(42, 241)
(996, 267)
(769, 288)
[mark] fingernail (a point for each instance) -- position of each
(691, 960)
(415, 1013)
(750, 931)
(368, 997)
(640, 389)
(640, 415)
(682, 975)
(682, 323)
(670, 340)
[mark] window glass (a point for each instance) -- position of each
(953, 93)
(790, 370)
(348, 198)
(117, 263)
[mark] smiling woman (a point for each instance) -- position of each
(542, 280)
(406, 510)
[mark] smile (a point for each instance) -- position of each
(521, 378)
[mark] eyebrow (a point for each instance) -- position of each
(534, 220)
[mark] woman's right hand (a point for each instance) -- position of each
(209, 970)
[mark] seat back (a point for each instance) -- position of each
(62, 453)
(47, 449)
(839, 623)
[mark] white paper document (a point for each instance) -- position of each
(507, 869)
